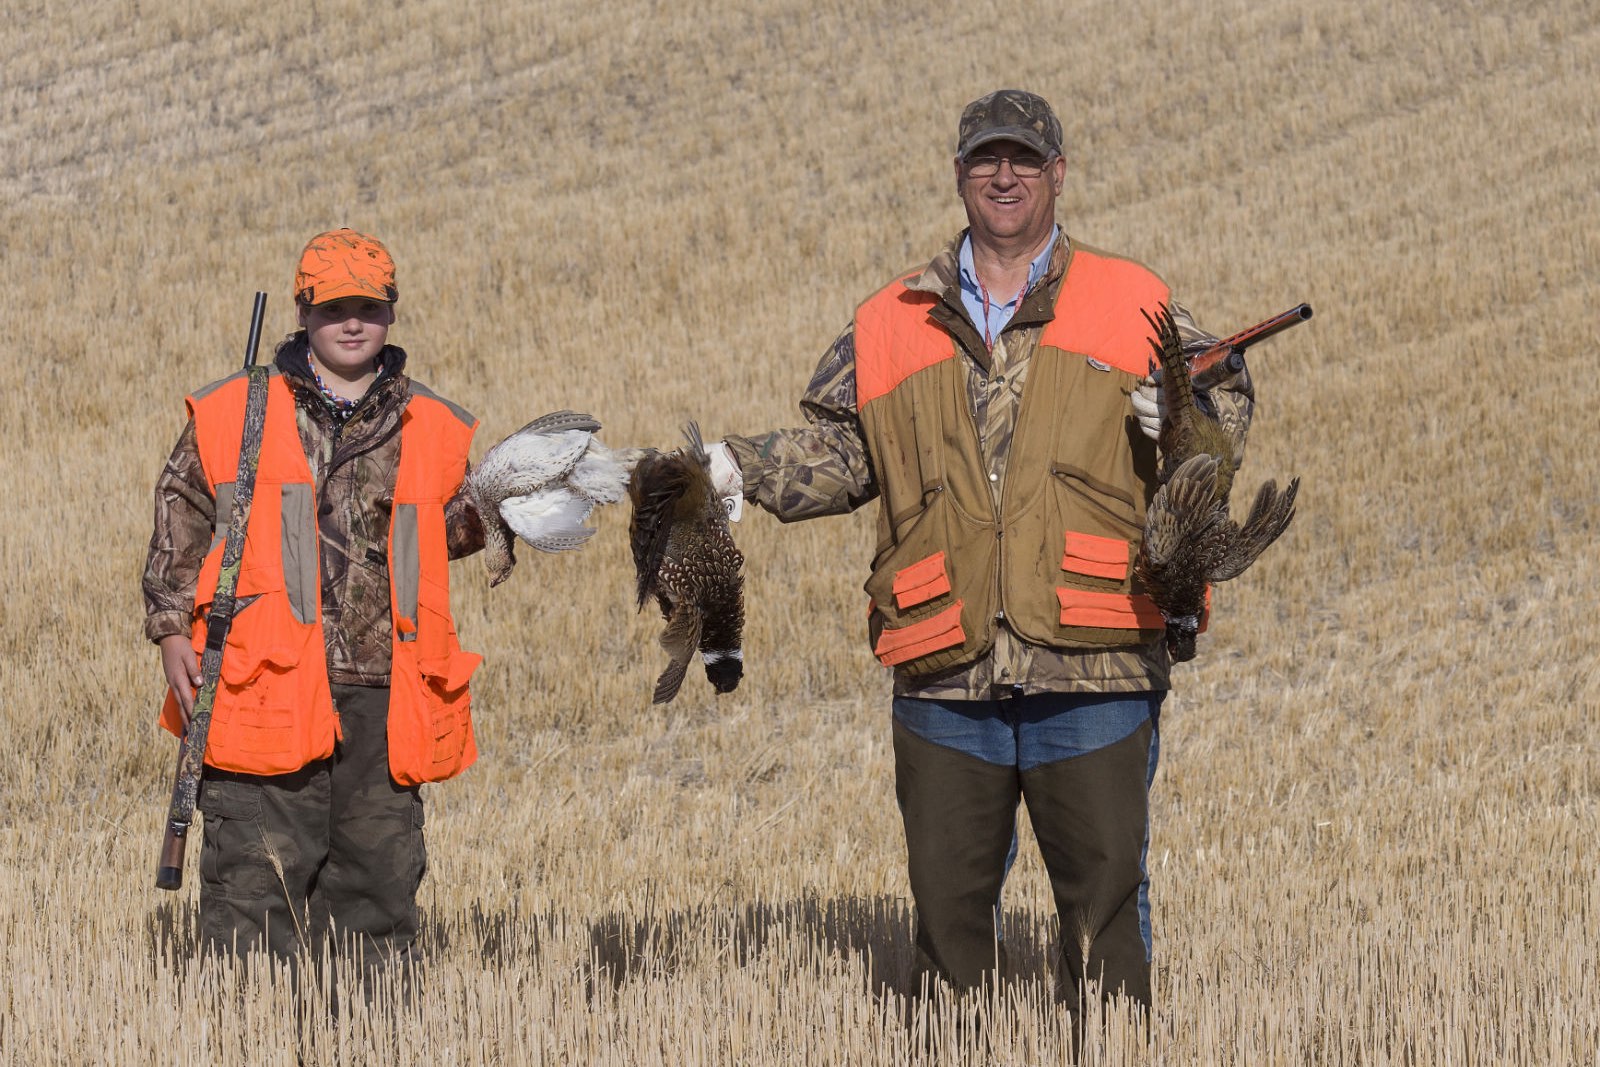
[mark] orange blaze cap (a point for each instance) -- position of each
(343, 263)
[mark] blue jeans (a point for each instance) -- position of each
(1031, 730)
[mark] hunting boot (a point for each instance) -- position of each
(959, 813)
(1091, 816)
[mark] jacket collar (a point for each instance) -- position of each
(292, 361)
(942, 275)
(941, 279)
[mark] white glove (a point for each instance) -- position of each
(727, 479)
(1149, 407)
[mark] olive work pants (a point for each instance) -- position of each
(959, 794)
(332, 850)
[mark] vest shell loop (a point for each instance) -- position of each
(300, 548)
(896, 645)
(1112, 611)
(1116, 611)
(405, 570)
(921, 581)
(1097, 557)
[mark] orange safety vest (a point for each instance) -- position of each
(950, 566)
(273, 711)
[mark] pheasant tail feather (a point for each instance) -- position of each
(1270, 515)
(680, 639)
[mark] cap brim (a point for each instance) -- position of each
(1020, 134)
(340, 290)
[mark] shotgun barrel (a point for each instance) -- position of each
(1229, 352)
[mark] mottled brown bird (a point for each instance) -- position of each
(685, 558)
(1189, 539)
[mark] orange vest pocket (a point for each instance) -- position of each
(270, 716)
(904, 643)
(430, 716)
(1114, 611)
(1097, 557)
(260, 729)
(921, 581)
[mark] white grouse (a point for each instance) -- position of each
(541, 483)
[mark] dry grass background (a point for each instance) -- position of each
(1375, 827)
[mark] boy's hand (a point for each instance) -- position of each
(182, 669)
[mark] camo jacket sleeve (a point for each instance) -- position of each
(819, 469)
(185, 518)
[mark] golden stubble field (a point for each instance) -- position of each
(1375, 833)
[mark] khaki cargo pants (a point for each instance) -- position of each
(333, 850)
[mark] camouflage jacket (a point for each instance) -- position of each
(353, 465)
(824, 469)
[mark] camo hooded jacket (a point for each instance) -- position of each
(825, 469)
(354, 460)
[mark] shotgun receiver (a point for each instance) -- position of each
(1227, 355)
(219, 620)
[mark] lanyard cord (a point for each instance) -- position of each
(983, 291)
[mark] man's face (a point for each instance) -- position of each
(1004, 207)
(347, 335)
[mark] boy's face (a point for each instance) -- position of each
(347, 335)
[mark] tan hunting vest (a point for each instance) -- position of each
(1056, 562)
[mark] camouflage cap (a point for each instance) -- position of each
(343, 263)
(1009, 115)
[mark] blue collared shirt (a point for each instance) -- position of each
(989, 316)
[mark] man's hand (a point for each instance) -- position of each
(182, 669)
(1149, 407)
(727, 479)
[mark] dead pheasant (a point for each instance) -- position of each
(685, 558)
(1189, 539)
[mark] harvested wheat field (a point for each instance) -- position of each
(1377, 819)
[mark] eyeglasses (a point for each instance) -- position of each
(1022, 166)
